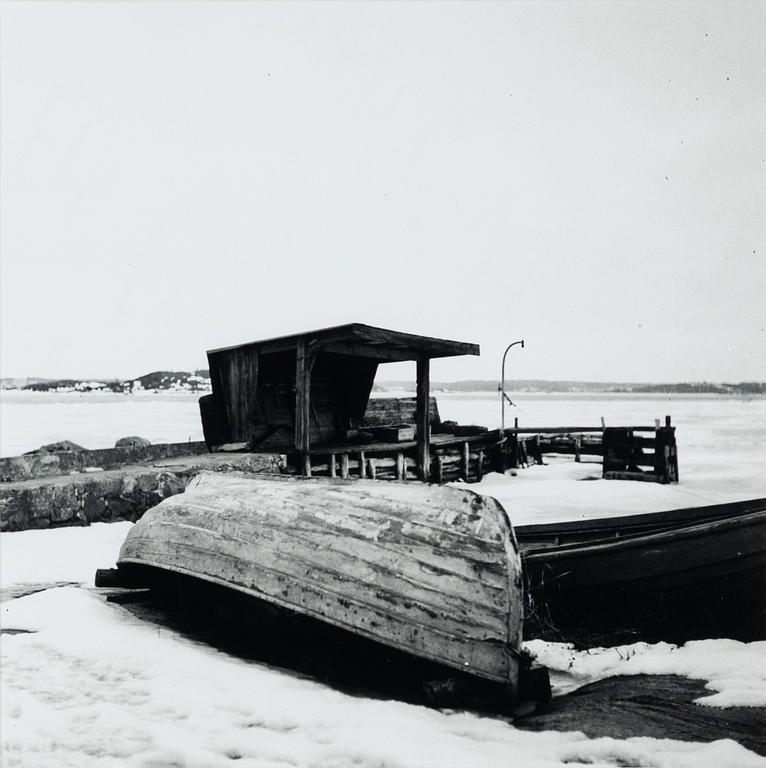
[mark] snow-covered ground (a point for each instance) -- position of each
(735, 672)
(63, 554)
(721, 451)
(90, 684)
(557, 491)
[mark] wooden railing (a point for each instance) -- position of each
(452, 458)
(646, 453)
(632, 454)
(468, 453)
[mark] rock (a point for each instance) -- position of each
(170, 484)
(132, 442)
(146, 482)
(119, 508)
(93, 507)
(63, 446)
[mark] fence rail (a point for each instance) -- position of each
(646, 453)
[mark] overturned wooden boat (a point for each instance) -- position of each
(434, 571)
(678, 575)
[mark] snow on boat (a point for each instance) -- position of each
(431, 570)
(676, 575)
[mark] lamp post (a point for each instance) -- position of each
(503, 396)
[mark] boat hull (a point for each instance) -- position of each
(433, 571)
(550, 535)
(678, 583)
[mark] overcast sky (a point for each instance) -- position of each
(185, 175)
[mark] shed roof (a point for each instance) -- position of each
(359, 340)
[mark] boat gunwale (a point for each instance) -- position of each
(639, 540)
(678, 517)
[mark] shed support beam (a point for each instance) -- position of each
(304, 362)
(422, 421)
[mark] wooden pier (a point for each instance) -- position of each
(308, 396)
(646, 453)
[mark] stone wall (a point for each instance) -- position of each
(50, 463)
(113, 494)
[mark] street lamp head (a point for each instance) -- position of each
(503, 396)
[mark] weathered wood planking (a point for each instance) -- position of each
(381, 411)
(625, 452)
(657, 554)
(422, 422)
(255, 396)
(598, 530)
(292, 392)
(431, 570)
(683, 583)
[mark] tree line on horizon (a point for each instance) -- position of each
(199, 380)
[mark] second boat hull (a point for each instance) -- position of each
(689, 582)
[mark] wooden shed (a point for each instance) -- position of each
(299, 393)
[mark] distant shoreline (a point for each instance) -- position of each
(199, 382)
(28, 396)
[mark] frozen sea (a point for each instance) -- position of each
(721, 440)
(88, 683)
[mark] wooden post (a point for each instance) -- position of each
(480, 468)
(362, 472)
(438, 468)
(577, 448)
(333, 470)
(422, 420)
(513, 450)
(673, 457)
(523, 457)
(466, 461)
(401, 467)
(344, 465)
(304, 361)
(371, 468)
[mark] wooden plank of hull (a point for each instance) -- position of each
(274, 569)
(668, 552)
(431, 570)
(705, 580)
(543, 535)
(378, 562)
